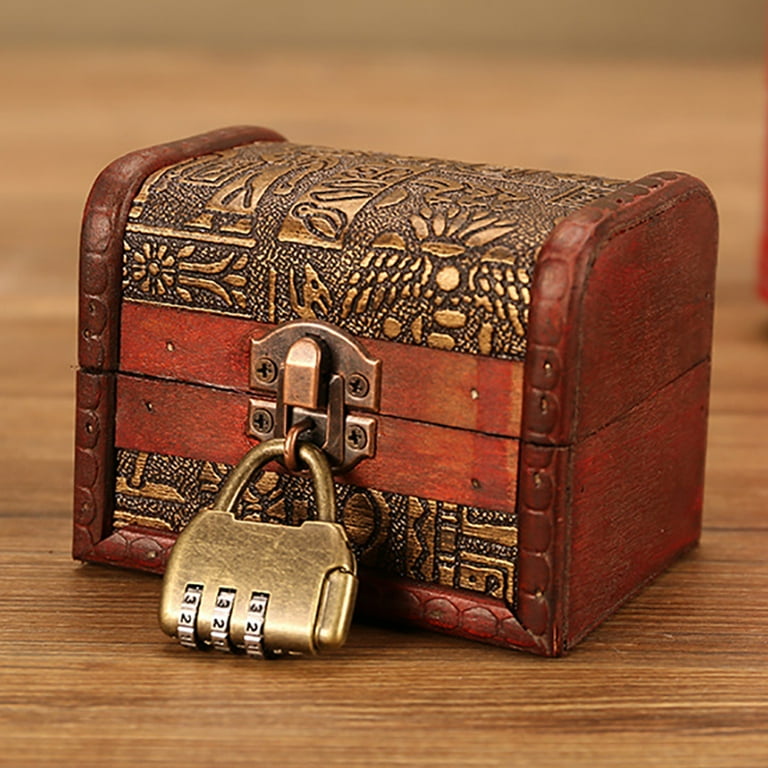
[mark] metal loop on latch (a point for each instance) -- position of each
(290, 449)
(261, 454)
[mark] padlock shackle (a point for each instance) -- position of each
(269, 450)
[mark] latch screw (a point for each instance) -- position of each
(265, 370)
(358, 386)
(356, 437)
(262, 421)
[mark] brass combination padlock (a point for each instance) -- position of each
(239, 585)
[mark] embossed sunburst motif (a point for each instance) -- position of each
(157, 272)
(152, 268)
(449, 232)
(451, 281)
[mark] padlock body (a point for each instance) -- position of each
(308, 573)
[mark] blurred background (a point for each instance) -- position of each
(670, 28)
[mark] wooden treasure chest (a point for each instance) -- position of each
(507, 370)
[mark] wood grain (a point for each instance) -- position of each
(208, 424)
(678, 677)
(185, 345)
(654, 457)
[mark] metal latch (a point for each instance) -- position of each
(316, 376)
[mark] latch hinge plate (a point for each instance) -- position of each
(310, 369)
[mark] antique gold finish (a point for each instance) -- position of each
(428, 540)
(414, 250)
(238, 585)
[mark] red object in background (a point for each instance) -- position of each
(762, 276)
(606, 457)
(763, 263)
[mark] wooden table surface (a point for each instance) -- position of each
(677, 678)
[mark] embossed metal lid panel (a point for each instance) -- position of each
(417, 251)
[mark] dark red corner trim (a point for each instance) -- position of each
(551, 386)
(104, 218)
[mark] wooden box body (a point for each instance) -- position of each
(542, 429)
